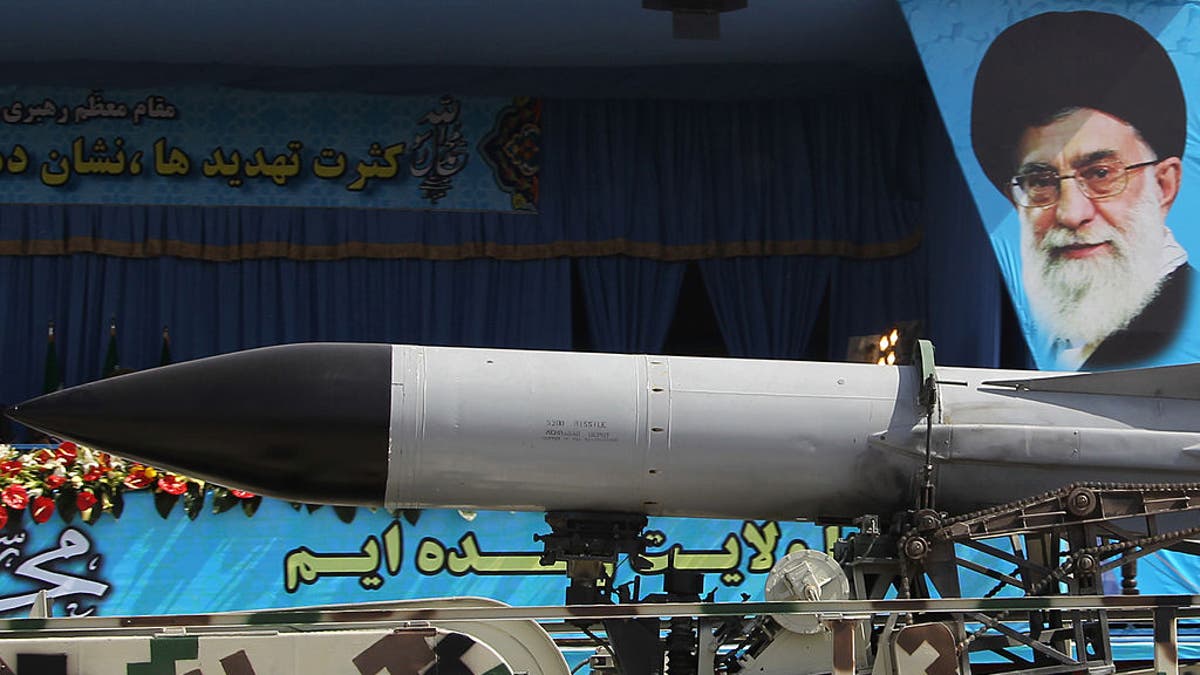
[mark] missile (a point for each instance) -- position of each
(403, 426)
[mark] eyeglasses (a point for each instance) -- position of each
(1099, 180)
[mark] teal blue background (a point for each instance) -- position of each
(228, 562)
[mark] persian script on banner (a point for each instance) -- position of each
(217, 146)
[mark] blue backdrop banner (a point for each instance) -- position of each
(288, 557)
(285, 556)
(1077, 133)
(229, 147)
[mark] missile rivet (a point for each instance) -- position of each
(656, 428)
(657, 389)
(653, 470)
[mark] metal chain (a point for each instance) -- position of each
(1068, 566)
(1064, 570)
(1063, 492)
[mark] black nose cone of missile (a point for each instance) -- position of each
(305, 422)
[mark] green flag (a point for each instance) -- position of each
(110, 357)
(164, 356)
(52, 381)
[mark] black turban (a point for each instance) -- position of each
(1051, 62)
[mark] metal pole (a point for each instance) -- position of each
(707, 647)
(843, 646)
(1166, 650)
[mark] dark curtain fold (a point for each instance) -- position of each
(629, 302)
(833, 177)
(965, 292)
(766, 307)
(213, 308)
(223, 234)
(869, 298)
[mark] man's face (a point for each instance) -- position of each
(1091, 265)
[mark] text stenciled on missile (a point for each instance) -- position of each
(579, 430)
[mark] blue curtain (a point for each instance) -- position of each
(213, 308)
(629, 302)
(867, 298)
(852, 165)
(686, 181)
(766, 307)
(224, 234)
(964, 292)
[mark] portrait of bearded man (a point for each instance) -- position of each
(1079, 119)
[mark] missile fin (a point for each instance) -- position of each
(1181, 382)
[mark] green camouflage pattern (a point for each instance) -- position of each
(408, 650)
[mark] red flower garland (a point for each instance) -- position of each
(15, 497)
(42, 509)
(47, 480)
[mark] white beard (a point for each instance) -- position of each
(1087, 299)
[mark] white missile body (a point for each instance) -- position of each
(726, 438)
(413, 426)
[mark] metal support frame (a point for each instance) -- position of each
(587, 540)
(844, 657)
(1166, 647)
(1061, 541)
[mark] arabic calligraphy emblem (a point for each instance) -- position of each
(72, 544)
(439, 151)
